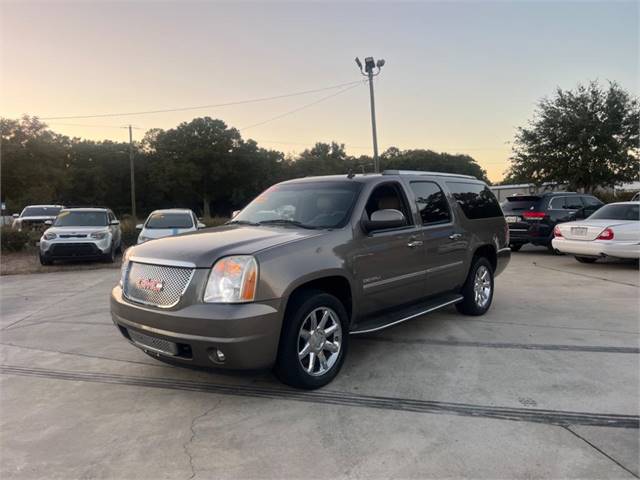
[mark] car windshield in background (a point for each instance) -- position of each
(81, 219)
(169, 220)
(617, 212)
(520, 203)
(40, 211)
(308, 204)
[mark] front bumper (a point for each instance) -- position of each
(247, 334)
(59, 248)
(597, 248)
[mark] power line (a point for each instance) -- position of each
(215, 105)
(91, 125)
(290, 112)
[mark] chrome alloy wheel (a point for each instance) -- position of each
(482, 286)
(319, 341)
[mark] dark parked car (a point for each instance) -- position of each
(531, 218)
(306, 264)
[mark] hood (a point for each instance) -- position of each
(164, 232)
(75, 231)
(204, 247)
(36, 219)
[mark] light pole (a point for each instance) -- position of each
(133, 181)
(369, 66)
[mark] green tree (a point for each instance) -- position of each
(587, 137)
(34, 163)
(428, 160)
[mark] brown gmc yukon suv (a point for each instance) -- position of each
(308, 263)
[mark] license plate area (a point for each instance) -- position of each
(155, 344)
(512, 219)
(579, 231)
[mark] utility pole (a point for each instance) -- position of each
(369, 65)
(133, 181)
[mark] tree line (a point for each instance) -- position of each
(203, 164)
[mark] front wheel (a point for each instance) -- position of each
(477, 291)
(515, 247)
(585, 259)
(314, 341)
(44, 260)
(111, 256)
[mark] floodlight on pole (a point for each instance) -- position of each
(370, 70)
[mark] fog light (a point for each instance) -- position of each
(217, 356)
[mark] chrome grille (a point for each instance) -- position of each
(157, 285)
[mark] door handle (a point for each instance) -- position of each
(455, 236)
(415, 243)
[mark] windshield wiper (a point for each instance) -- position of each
(284, 221)
(242, 222)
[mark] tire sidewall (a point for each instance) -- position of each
(288, 367)
(470, 306)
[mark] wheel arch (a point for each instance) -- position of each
(487, 251)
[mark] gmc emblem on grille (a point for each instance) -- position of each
(149, 284)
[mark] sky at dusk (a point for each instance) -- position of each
(460, 77)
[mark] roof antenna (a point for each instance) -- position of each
(350, 175)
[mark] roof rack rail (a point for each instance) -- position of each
(419, 172)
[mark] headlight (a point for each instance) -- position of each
(232, 280)
(125, 265)
(49, 235)
(99, 235)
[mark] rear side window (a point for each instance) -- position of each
(566, 203)
(475, 200)
(432, 204)
(591, 201)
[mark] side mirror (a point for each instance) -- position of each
(16, 215)
(48, 222)
(235, 213)
(114, 222)
(384, 219)
(139, 226)
(201, 225)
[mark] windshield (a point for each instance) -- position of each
(520, 203)
(81, 219)
(617, 212)
(169, 220)
(41, 211)
(308, 204)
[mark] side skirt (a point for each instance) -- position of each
(387, 320)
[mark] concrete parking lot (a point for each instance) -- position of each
(545, 385)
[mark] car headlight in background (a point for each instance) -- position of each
(232, 280)
(49, 235)
(125, 265)
(99, 235)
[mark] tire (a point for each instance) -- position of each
(111, 256)
(44, 260)
(308, 372)
(585, 259)
(515, 247)
(554, 251)
(471, 303)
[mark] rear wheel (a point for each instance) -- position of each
(585, 259)
(314, 340)
(477, 291)
(553, 250)
(515, 247)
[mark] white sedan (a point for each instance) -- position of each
(165, 223)
(612, 231)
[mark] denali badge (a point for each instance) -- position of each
(148, 284)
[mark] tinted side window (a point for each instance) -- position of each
(573, 203)
(388, 196)
(591, 201)
(475, 199)
(432, 204)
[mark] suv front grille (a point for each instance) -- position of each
(156, 285)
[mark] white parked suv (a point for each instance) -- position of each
(91, 233)
(166, 223)
(34, 216)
